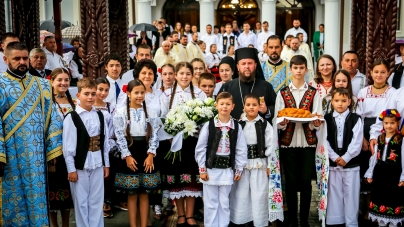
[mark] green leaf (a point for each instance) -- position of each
(163, 120)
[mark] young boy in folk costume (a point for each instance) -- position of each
(345, 134)
(221, 154)
(386, 173)
(86, 148)
(246, 198)
(207, 83)
(298, 140)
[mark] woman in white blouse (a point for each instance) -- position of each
(76, 65)
(326, 68)
(372, 101)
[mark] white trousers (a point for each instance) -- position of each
(216, 205)
(88, 197)
(249, 198)
(343, 197)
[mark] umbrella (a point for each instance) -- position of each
(67, 47)
(143, 27)
(71, 32)
(43, 34)
(49, 25)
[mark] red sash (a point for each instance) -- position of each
(306, 104)
(215, 72)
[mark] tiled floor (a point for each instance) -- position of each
(120, 218)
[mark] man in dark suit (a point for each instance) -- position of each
(37, 61)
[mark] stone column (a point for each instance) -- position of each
(144, 12)
(206, 15)
(268, 13)
(332, 28)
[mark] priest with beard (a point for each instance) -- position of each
(249, 78)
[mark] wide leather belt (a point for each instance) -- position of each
(221, 162)
(252, 151)
(94, 144)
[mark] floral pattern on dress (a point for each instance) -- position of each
(392, 156)
(322, 170)
(185, 178)
(386, 210)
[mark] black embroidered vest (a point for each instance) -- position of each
(307, 104)
(83, 139)
(215, 135)
(260, 127)
(350, 122)
(394, 153)
(398, 73)
(225, 44)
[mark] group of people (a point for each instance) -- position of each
(62, 150)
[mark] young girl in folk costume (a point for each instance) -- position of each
(108, 110)
(167, 76)
(246, 197)
(325, 70)
(199, 67)
(386, 173)
(182, 177)
(60, 198)
(136, 129)
(371, 100)
(214, 59)
(230, 51)
(221, 154)
(341, 79)
(226, 70)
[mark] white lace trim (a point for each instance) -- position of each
(385, 219)
(321, 216)
(180, 194)
(275, 215)
(256, 163)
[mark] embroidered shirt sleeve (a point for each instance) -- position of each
(69, 138)
(154, 138)
(120, 124)
(372, 164)
(279, 105)
(241, 152)
(107, 147)
(201, 148)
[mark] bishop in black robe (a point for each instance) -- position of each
(240, 87)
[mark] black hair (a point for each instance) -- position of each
(145, 63)
(350, 52)
(275, 37)
(252, 96)
(131, 85)
(8, 35)
(102, 80)
(48, 37)
(341, 91)
(16, 46)
(74, 40)
(113, 56)
(298, 60)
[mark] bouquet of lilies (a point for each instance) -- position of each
(183, 120)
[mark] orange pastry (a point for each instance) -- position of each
(294, 112)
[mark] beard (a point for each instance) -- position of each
(21, 70)
(296, 27)
(274, 57)
(245, 78)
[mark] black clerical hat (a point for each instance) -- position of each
(230, 61)
(252, 53)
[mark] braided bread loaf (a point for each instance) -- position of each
(294, 112)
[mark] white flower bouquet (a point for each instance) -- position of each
(183, 120)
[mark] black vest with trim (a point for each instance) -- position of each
(393, 156)
(83, 139)
(260, 127)
(226, 44)
(350, 122)
(215, 136)
(398, 73)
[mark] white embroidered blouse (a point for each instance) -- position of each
(138, 127)
(371, 105)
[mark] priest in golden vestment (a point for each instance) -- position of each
(166, 55)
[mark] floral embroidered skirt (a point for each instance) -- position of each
(60, 197)
(139, 181)
(387, 199)
(181, 175)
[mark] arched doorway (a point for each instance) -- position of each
(244, 10)
(289, 10)
(184, 11)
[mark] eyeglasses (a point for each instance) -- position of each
(40, 57)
